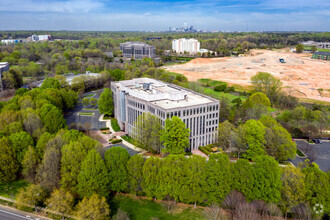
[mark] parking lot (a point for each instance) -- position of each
(319, 152)
(88, 122)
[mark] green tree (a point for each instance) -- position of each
(293, 192)
(41, 144)
(279, 142)
(171, 177)
(52, 118)
(116, 159)
(147, 132)
(218, 178)
(105, 103)
(267, 179)
(30, 164)
(227, 135)
(13, 127)
(313, 49)
(117, 75)
(21, 142)
(255, 99)
(94, 207)
(93, 176)
(266, 83)
(299, 48)
(8, 162)
(61, 201)
(48, 173)
(50, 83)
(73, 155)
(175, 136)
(33, 195)
(194, 183)
(317, 186)
(78, 85)
(243, 180)
(253, 138)
(135, 174)
(151, 179)
(85, 101)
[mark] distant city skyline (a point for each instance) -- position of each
(149, 15)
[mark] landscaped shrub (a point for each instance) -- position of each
(116, 141)
(114, 124)
(204, 150)
(230, 89)
(128, 139)
(222, 86)
(105, 128)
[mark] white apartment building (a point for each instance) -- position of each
(199, 112)
(189, 45)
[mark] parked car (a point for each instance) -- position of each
(317, 141)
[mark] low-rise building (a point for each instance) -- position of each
(134, 97)
(321, 55)
(137, 50)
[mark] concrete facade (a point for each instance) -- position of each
(188, 45)
(137, 50)
(134, 97)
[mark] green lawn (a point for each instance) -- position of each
(218, 95)
(128, 139)
(9, 190)
(86, 113)
(114, 124)
(146, 209)
(90, 95)
(299, 153)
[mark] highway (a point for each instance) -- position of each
(7, 213)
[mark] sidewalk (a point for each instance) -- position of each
(45, 210)
(118, 135)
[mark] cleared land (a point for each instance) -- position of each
(302, 76)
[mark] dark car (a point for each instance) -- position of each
(317, 141)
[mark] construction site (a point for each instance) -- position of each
(301, 76)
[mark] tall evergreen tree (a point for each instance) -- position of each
(151, 178)
(116, 159)
(171, 176)
(8, 163)
(93, 176)
(242, 174)
(30, 164)
(194, 183)
(105, 103)
(135, 175)
(73, 154)
(267, 179)
(218, 178)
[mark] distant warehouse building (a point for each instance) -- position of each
(186, 45)
(134, 97)
(321, 55)
(137, 50)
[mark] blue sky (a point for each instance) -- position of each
(149, 15)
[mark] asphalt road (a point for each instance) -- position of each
(321, 153)
(7, 213)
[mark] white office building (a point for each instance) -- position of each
(199, 112)
(184, 44)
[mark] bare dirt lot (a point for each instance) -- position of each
(301, 75)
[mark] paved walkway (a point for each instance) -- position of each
(118, 135)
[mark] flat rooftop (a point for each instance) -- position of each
(166, 96)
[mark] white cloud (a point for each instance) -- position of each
(66, 6)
